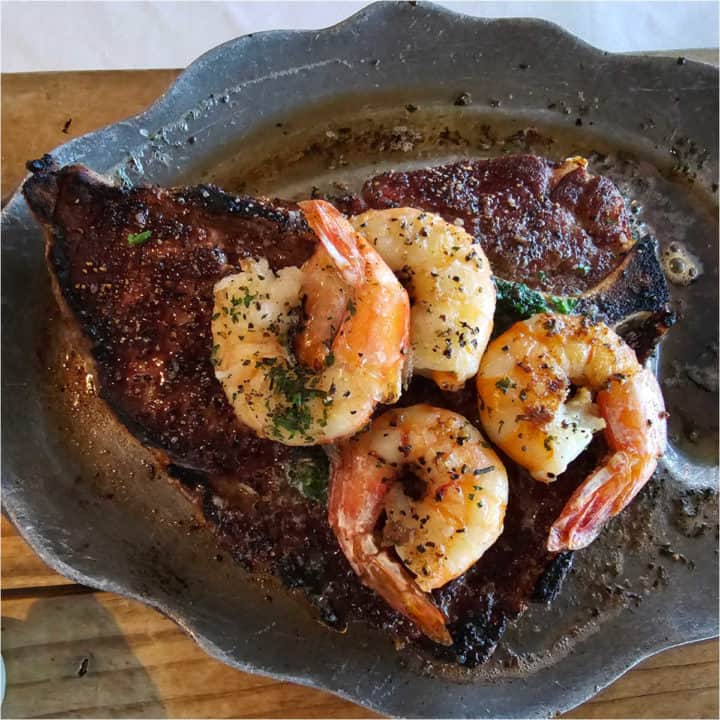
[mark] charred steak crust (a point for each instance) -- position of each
(145, 309)
(562, 235)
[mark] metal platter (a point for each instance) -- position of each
(279, 113)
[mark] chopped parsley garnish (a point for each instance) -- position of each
(294, 386)
(504, 384)
(245, 300)
(139, 238)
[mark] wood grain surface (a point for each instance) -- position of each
(73, 652)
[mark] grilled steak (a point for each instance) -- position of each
(135, 268)
(553, 227)
(538, 223)
(147, 307)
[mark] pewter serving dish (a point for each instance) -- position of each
(279, 113)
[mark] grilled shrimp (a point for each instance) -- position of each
(524, 387)
(454, 512)
(350, 364)
(450, 284)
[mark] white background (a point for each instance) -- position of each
(111, 35)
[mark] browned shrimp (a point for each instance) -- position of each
(524, 386)
(451, 289)
(438, 535)
(351, 349)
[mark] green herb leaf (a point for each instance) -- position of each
(564, 305)
(505, 384)
(308, 471)
(295, 388)
(244, 300)
(139, 238)
(521, 301)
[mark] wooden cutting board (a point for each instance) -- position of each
(73, 652)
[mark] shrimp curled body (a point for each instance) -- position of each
(439, 531)
(524, 383)
(350, 352)
(450, 284)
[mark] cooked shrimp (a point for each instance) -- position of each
(450, 284)
(362, 359)
(453, 516)
(524, 383)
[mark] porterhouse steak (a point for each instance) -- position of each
(145, 310)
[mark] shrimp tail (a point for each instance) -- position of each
(383, 574)
(356, 497)
(600, 497)
(635, 413)
(337, 236)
